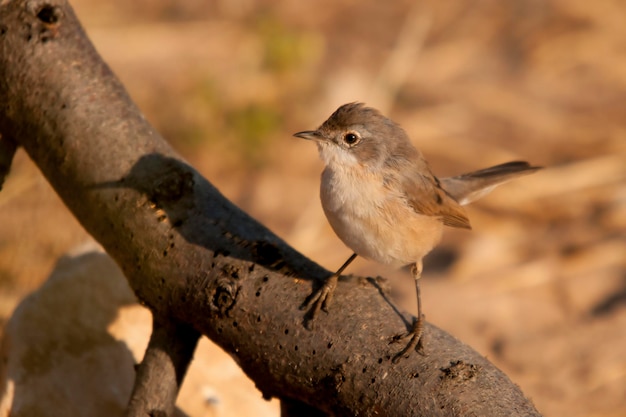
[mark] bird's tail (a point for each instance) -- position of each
(472, 186)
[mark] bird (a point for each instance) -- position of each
(383, 201)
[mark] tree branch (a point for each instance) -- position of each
(195, 258)
(161, 372)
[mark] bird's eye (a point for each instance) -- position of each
(351, 138)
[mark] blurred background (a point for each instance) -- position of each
(538, 286)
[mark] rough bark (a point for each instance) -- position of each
(194, 258)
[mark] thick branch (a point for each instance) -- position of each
(195, 258)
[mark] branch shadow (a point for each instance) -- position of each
(203, 216)
(381, 291)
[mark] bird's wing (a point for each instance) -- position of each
(424, 194)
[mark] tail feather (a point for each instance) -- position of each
(474, 185)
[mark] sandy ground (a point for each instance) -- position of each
(539, 285)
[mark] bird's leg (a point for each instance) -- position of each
(321, 298)
(418, 325)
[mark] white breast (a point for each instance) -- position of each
(371, 220)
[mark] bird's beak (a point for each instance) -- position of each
(308, 134)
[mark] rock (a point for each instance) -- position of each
(69, 349)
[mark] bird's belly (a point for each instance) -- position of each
(379, 226)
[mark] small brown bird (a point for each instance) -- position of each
(382, 200)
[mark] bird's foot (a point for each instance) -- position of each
(416, 342)
(319, 300)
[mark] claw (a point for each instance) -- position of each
(319, 300)
(416, 342)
